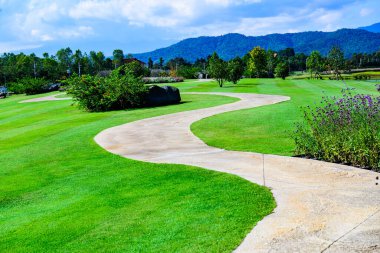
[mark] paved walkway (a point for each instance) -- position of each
(46, 98)
(322, 207)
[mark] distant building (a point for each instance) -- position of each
(202, 75)
(129, 60)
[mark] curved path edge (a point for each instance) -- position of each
(321, 207)
(45, 98)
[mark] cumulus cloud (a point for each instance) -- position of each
(305, 18)
(319, 19)
(161, 14)
(42, 21)
(365, 12)
(164, 13)
(231, 2)
(47, 21)
(17, 46)
(248, 26)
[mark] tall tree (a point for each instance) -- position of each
(161, 63)
(24, 66)
(65, 58)
(35, 64)
(217, 69)
(87, 64)
(314, 63)
(177, 63)
(235, 70)
(9, 67)
(118, 57)
(336, 61)
(286, 53)
(271, 62)
(150, 63)
(97, 60)
(50, 68)
(257, 62)
(300, 62)
(282, 69)
(78, 56)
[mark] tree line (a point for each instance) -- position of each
(64, 63)
(256, 63)
(261, 63)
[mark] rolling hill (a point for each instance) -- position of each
(232, 45)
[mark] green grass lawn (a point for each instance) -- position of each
(61, 192)
(265, 129)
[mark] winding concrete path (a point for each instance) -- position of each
(322, 207)
(46, 98)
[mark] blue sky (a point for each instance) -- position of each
(144, 25)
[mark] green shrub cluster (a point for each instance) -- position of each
(30, 86)
(114, 92)
(342, 130)
(16, 87)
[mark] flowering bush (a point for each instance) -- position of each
(342, 130)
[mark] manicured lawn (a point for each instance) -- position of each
(265, 129)
(63, 95)
(60, 191)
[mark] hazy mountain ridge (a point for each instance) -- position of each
(231, 45)
(375, 28)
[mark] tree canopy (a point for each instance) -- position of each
(217, 69)
(257, 62)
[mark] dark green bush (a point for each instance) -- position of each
(30, 86)
(35, 85)
(342, 130)
(115, 92)
(16, 87)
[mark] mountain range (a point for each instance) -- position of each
(375, 28)
(361, 40)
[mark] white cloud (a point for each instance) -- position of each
(77, 32)
(298, 20)
(365, 12)
(325, 19)
(247, 26)
(13, 46)
(135, 12)
(42, 21)
(231, 2)
(164, 13)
